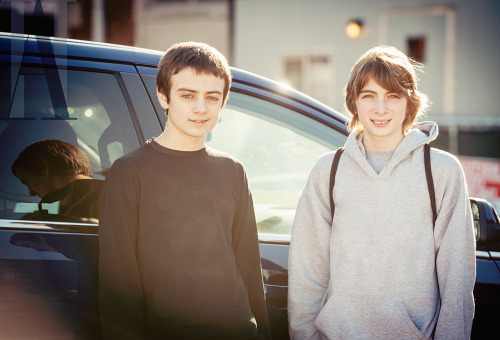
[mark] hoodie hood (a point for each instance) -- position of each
(422, 133)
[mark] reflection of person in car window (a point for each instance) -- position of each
(385, 266)
(58, 171)
(179, 252)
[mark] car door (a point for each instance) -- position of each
(48, 258)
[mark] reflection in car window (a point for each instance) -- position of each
(475, 216)
(85, 109)
(278, 147)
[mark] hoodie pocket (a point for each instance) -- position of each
(366, 317)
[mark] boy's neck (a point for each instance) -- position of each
(174, 144)
(381, 144)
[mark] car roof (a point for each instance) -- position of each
(105, 52)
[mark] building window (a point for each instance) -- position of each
(186, 0)
(416, 48)
(311, 74)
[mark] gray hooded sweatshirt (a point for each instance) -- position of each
(371, 273)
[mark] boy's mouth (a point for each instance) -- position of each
(199, 121)
(381, 123)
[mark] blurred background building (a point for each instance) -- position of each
(312, 44)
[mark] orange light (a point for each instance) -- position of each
(353, 29)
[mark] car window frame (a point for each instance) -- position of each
(114, 69)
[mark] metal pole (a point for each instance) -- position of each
(98, 26)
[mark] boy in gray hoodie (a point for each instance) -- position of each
(382, 269)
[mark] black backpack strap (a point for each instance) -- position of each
(432, 194)
(428, 175)
(333, 171)
(430, 181)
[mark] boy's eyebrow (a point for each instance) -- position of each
(372, 91)
(195, 91)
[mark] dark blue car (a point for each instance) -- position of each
(102, 99)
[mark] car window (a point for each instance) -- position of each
(83, 108)
(143, 105)
(150, 82)
(278, 147)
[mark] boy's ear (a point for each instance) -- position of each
(162, 99)
(44, 168)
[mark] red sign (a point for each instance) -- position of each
(483, 177)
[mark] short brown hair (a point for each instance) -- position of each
(204, 59)
(63, 159)
(395, 72)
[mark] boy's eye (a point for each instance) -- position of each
(366, 96)
(213, 98)
(187, 95)
(393, 96)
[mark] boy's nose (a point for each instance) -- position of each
(380, 106)
(201, 106)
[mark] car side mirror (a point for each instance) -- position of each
(486, 225)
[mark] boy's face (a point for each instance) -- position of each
(38, 185)
(381, 113)
(194, 108)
